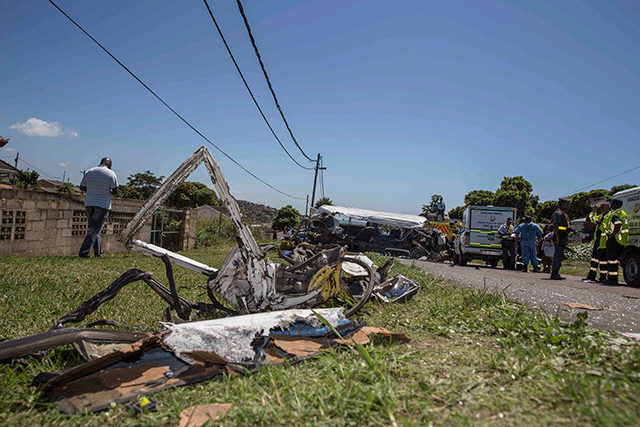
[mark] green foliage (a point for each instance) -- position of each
(580, 207)
(27, 180)
(621, 187)
(128, 192)
(256, 213)
(191, 195)
(545, 210)
(581, 252)
(66, 188)
(323, 201)
(456, 213)
(214, 231)
(479, 198)
(475, 359)
(288, 216)
(145, 183)
(515, 192)
(431, 207)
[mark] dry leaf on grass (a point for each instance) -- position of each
(198, 415)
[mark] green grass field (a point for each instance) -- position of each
(474, 359)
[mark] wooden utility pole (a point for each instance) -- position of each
(315, 181)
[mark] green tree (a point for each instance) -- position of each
(621, 187)
(66, 188)
(515, 192)
(580, 207)
(545, 210)
(323, 201)
(128, 192)
(287, 216)
(431, 207)
(190, 195)
(479, 198)
(456, 213)
(146, 183)
(27, 180)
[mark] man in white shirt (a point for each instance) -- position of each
(100, 183)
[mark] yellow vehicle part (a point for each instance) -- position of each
(327, 280)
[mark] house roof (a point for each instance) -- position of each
(7, 168)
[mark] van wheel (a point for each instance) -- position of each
(631, 270)
(493, 263)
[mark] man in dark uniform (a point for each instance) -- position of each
(508, 245)
(560, 224)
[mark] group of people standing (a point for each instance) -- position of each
(610, 238)
(526, 235)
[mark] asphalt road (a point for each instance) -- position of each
(617, 307)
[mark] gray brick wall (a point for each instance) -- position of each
(42, 223)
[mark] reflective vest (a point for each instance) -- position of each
(623, 235)
(594, 217)
(604, 226)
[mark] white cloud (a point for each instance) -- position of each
(10, 149)
(37, 127)
(64, 165)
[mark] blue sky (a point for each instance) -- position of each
(402, 99)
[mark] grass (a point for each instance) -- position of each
(474, 359)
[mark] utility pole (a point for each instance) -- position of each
(315, 181)
(16, 165)
(306, 206)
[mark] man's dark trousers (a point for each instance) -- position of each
(558, 255)
(509, 254)
(97, 217)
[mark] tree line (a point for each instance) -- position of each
(517, 192)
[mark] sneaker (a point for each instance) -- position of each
(587, 280)
(556, 276)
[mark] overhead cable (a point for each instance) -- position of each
(600, 182)
(249, 89)
(171, 109)
(266, 76)
(39, 170)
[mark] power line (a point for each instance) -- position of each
(266, 76)
(171, 109)
(600, 182)
(249, 89)
(39, 170)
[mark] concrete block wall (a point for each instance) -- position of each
(42, 223)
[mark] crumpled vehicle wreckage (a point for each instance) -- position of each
(363, 230)
(261, 299)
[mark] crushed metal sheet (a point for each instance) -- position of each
(198, 415)
(89, 351)
(147, 366)
(583, 306)
(59, 337)
(397, 289)
(233, 337)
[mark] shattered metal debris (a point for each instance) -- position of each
(199, 351)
